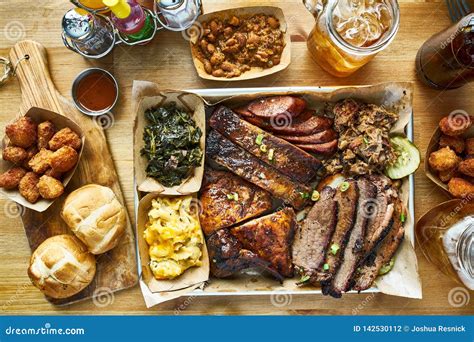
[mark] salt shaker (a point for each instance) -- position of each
(87, 34)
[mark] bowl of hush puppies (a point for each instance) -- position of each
(40, 153)
(449, 160)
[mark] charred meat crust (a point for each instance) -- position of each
(228, 257)
(270, 237)
(347, 202)
(313, 236)
(217, 211)
(249, 167)
(367, 273)
(273, 106)
(353, 251)
(286, 158)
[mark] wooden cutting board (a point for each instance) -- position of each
(116, 269)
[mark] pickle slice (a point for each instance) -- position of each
(408, 158)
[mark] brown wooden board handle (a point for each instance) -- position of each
(37, 88)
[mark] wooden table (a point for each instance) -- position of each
(167, 62)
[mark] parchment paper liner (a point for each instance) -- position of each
(404, 279)
(246, 12)
(39, 115)
(190, 279)
(187, 101)
(433, 146)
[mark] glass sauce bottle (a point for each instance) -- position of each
(446, 60)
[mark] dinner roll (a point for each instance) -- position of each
(95, 216)
(61, 266)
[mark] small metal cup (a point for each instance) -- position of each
(80, 77)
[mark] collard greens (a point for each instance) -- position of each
(172, 148)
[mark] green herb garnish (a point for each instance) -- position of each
(326, 267)
(171, 144)
(387, 267)
(304, 195)
(344, 186)
(334, 248)
(402, 217)
(271, 152)
(259, 139)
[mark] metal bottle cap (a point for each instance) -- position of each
(77, 24)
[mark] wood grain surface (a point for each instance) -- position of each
(167, 61)
(116, 269)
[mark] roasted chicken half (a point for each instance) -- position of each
(264, 242)
(227, 199)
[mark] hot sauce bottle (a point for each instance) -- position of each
(446, 60)
(130, 19)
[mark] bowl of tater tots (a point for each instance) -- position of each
(449, 160)
(40, 153)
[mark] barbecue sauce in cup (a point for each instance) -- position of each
(95, 91)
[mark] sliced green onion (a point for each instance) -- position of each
(263, 148)
(233, 196)
(387, 267)
(259, 139)
(270, 154)
(326, 267)
(344, 186)
(304, 195)
(261, 175)
(334, 248)
(402, 217)
(315, 195)
(366, 141)
(304, 278)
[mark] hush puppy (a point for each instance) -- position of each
(22, 132)
(444, 159)
(470, 146)
(49, 187)
(53, 173)
(30, 153)
(455, 125)
(64, 159)
(41, 161)
(456, 143)
(15, 155)
(65, 137)
(467, 167)
(29, 187)
(445, 176)
(11, 178)
(460, 188)
(46, 131)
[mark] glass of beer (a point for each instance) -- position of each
(349, 33)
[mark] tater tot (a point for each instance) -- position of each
(49, 187)
(65, 137)
(10, 179)
(29, 187)
(456, 143)
(467, 167)
(22, 132)
(444, 159)
(64, 159)
(14, 154)
(41, 161)
(460, 188)
(46, 131)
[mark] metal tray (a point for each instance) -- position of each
(224, 93)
